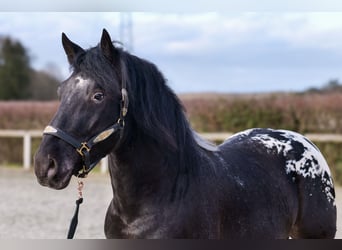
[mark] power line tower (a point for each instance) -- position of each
(125, 29)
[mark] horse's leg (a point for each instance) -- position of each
(113, 224)
(317, 214)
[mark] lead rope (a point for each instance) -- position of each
(74, 220)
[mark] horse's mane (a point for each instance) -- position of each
(159, 113)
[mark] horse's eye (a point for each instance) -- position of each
(98, 97)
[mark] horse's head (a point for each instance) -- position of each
(90, 117)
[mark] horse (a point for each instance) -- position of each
(167, 181)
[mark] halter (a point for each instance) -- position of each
(84, 148)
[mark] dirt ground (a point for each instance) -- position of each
(30, 211)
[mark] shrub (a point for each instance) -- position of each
(304, 113)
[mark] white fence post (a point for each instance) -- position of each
(27, 151)
(104, 165)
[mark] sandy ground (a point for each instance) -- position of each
(30, 211)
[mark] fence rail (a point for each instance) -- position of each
(27, 136)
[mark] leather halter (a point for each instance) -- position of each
(84, 148)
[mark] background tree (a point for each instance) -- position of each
(43, 86)
(18, 80)
(15, 71)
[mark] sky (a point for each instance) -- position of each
(233, 52)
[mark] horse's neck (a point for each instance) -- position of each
(140, 173)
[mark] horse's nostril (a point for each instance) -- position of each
(52, 168)
(51, 163)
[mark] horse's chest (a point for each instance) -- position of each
(145, 226)
(162, 223)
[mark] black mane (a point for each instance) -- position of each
(159, 114)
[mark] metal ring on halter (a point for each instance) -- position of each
(84, 146)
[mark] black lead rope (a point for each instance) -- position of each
(74, 220)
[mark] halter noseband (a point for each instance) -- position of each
(84, 148)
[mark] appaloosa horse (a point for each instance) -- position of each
(168, 182)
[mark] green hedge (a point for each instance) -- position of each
(304, 113)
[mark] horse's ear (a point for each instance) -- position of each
(71, 49)
(108, 50)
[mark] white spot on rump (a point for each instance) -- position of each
(310, 152)
(311, 164)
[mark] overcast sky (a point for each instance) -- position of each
(201, 51)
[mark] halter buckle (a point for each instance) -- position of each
(84, 146)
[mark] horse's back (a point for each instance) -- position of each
(289, 176)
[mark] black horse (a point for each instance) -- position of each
(168, 182)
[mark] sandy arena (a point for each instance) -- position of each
(30, 211)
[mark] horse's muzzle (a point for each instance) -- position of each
(49, 172)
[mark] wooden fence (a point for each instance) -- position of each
(27, 136)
